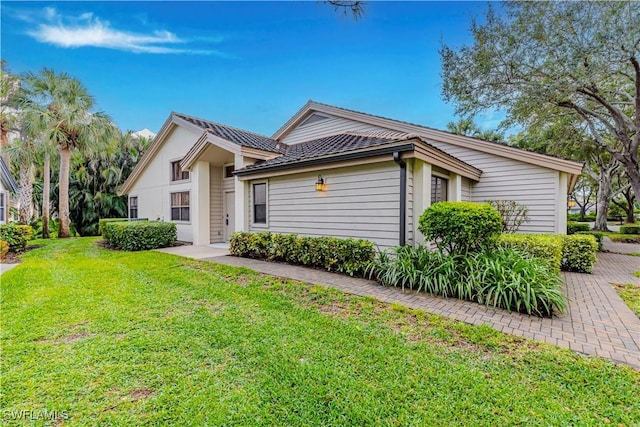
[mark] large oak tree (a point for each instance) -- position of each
(541, 61)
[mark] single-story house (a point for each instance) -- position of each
(330, 171)
(8, 186)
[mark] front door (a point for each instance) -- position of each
(229, 214)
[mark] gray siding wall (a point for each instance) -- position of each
(466, 190)
(330, 126)
(507, 179)
(360, 201)
(410, 213)
(215, 204)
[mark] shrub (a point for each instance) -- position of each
(16, 236)
(513, 214)
(4, 248)
(504, 278)
(460, 227)
(139, 235)
(579, 253)
(596, 234)
(579, 218)
(630, 229)
(574, 227)
(103, 221)
(349, 256)
(547, 247)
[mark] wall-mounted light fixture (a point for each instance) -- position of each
(321, 184)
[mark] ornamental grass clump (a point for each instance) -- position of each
(468, 263)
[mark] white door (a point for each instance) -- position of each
(229, 214)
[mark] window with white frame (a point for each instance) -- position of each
(180, 206)
(260, 203)
(177, 174)
(133, 207)
(438, 189)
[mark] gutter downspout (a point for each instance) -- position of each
(403, 196)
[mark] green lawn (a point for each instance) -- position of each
(153, 339)
(630, 294)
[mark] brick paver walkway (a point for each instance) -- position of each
(597, 323)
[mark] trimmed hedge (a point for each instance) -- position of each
(350, 256)
(598, 236)
(16, 236)
(547, 247)
(103, 221)
(460, 227)
(579, 253)
(575, 227)
(630, 229)
(567, 253)
(139, 235)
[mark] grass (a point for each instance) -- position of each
(630, 294)
(149, 338)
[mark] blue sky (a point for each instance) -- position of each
(247, 64)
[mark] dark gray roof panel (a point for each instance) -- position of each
(333, 144)
(237, 136)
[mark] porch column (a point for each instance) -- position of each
(455, 187)
(241, 196)
(421, 196)
(561, 203)
(200, 203)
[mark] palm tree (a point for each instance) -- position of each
(64, 108)
(9, 85)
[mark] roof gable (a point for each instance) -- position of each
(312, 107)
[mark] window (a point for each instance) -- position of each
(228, 171)
(180, 206)
(3, 207)
(439, 189)
(260, 203)
(177, 174)
(133, 207)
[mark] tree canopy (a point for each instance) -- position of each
(549, 61)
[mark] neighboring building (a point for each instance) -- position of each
(144, 133)
(8, 186)
(330, 171)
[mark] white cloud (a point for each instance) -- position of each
(86, 30)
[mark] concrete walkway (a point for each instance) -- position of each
(620, 248)
(597, 322)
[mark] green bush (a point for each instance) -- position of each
(597, 235)
(349, 256)
(579, 253)
(103, 221)
(460, 227)
(579, 218)
(16, 236)
(547, 247)
(139, 235)
(501, 277)
(574, 227)
(630, 229)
